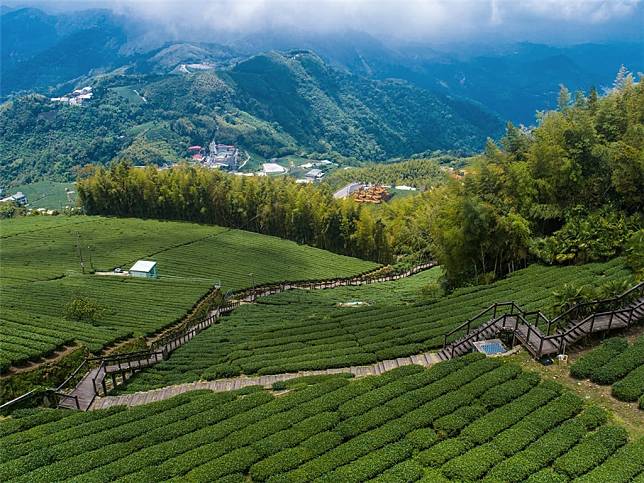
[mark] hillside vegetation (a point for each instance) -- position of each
(419, 173)
(569, 191)
(270, 104)
(301, 330)
(464, 420)
(41, 276)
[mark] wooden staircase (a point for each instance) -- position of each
(533, 329)
(116, 369)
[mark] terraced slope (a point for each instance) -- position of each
(467, 419)
(40, 273)
(301, 330)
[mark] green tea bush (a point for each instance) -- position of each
(432, 427)
(422, 438)
(585, 366)
(547, 475)
(371, 465)
(443, 451)
(472, 465)
(494, 422)
(631, 388)
(405, 472)
(621, 365)
(591, 451)
(592, 417)
(622, 467)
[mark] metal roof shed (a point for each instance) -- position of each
(144, 269)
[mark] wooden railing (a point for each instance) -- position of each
(518, 317)
(129, 362)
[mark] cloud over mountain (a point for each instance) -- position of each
(556, 21)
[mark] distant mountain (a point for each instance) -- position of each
(514, 80)
(40, 51)
(47, 52)
(270, 104)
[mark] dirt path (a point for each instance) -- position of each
(33, 365)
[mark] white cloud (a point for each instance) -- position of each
(405, 19)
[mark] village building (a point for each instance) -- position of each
(76, 97)
(18, 197)
(224, 155)
(403, 187)
(314, 175)
(272, 169)
(348, 190)
(144, 269)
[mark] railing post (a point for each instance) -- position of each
(444, 341)
(494, 314)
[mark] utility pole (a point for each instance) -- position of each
(91, 265)
(80, 252)
(252, 281)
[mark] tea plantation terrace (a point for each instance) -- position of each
(41, 275)
(303, 330)
(471, 418)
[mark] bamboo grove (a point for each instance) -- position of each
(568, 191)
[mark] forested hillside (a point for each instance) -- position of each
(569, 191)
(271, 104)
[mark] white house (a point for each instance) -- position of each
(19, 198)
(314, 174)
(144, 269)
(273, 168)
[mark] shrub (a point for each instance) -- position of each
(619, 366)
(592, 450)
(370, 465)
(405, 472)
(623, 466)
(433, 475)
(472, 465)
(585, 366)
(547, 475)
(452, 423)
(238, 460)
(443, 451)
(592, 417)
(510, 390)
(422, 438)
(634, 250)
(631, 387)
(536, 424)
(83, 309)
(488, 426)
(539, 454)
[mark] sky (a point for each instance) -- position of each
(432, 21)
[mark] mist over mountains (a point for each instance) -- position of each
(48, 52)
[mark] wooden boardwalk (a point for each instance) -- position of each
(532, 337)
(90, 386)
(221, 385)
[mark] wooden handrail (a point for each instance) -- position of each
(585, 326)
(72, 375)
